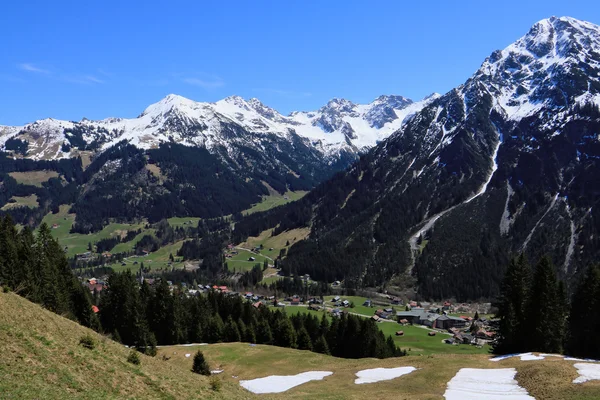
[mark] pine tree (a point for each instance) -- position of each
(231, 333)
(213, 331)
(200, 365)
(543, 322)
(285, 335)
(321, 346)
(511, 308)
(583, 327)
(304, 341)
(263, 333)
(250, 336)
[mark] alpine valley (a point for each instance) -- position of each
(437, 194)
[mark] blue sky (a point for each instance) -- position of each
(95, 59)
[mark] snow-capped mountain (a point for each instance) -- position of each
(507, 162)
(339, 126)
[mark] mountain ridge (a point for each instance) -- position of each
(331, 129)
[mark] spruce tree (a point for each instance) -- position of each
(304, 341)
(511, 308)
(263, 333)
(543, 320)
(583, 326)
(231, 332)
(285, 335)
(200, 365)
(321, 346)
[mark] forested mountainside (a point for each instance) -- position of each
(125, 183)
(508, 162)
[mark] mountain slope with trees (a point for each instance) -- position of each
(503, 164)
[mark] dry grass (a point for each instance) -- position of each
(35, 178)
(547, 379)
(26, 201)
(155, 170)
(276, 242)
(553, 379)
(40, 358)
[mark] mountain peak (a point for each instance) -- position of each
(338, 105)
(166, 104)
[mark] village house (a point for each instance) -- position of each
(367, 303)
(447, 322)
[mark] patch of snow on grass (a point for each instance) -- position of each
(524, 356)
(280, 384)
(381, 374)
(489, 384)
(531, 356)
(587, 372)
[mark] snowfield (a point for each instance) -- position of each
(381, 374)
(587, 372)
(280, 384)
(489, 384)
(524, 356)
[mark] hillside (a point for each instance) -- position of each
(550, 378)
(40, 356)
(505, 163)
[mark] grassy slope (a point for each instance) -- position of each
(76, 242)
(158, 259)
(24, 201)
(40, 358)
(240, 261)
(548, 379)
(275, 242)
(35, 178)
(274, 200)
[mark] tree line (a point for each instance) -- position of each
(34, 266)
(535, 313)
(142, 316)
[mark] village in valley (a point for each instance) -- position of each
(444, 326)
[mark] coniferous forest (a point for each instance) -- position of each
(535, 314)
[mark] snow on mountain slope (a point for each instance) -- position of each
(554, 62)
(339, 126)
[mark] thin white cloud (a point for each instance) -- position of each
(32, 68)
(82, 79)
(289, 94)
(213, 83)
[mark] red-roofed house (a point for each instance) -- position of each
(95, 309)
